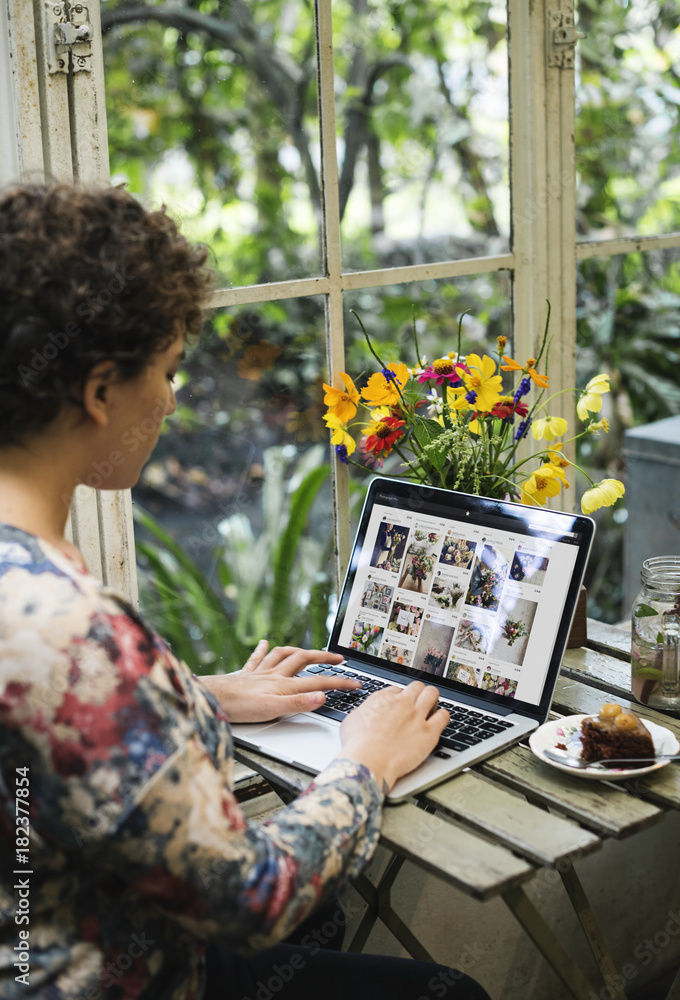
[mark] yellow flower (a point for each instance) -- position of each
(377, 415)
(556, 457)
(548, 428)
(591, 397)
(545, 482)
(483, 382)
(603, 494)
(342, 405)
(556, 469)
(382, 391)
(339, 435)
(459, 403)
(598, 425)
(502, 343)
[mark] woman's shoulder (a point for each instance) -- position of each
(34, 569)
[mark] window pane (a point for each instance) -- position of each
(247, 432)
(422, 112)
(214, 111)
(627, 97)
(627, 326)
(388, 313)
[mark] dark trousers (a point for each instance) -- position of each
(310, 966)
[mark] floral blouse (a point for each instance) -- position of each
(123, 851)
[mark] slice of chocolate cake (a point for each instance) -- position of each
(615, 733)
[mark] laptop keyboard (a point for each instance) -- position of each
(466, 728)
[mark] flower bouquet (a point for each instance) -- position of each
(434, 658)
(454, 425)
(363, 635)
(448, 598)
(421, 564)
(513, 629)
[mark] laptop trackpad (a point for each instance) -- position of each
(305, 739)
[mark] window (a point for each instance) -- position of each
(381, 157)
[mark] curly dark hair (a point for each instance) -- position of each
(86, 275)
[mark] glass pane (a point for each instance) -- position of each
(627, 97)
(422, 113)
(248, 430)
(214, 111)
(627, 326)
(388, 313)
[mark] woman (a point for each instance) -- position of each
(115, 763)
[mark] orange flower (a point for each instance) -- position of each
(512, 366)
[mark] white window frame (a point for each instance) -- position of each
(58, 124)
(64, 136)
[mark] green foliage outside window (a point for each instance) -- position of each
(212, 107)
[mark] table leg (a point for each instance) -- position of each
(548, 944)
(594, 937)
(380, 907)
(674, 992)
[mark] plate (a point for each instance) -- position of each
(567, 731)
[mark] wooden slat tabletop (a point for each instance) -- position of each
(600, 806)
(471, 863)
(510, 820)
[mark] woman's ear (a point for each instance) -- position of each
(96, 395)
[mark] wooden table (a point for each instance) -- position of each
(474, 833)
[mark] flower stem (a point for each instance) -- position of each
(415, 337)
(380, 362)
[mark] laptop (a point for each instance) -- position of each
(473, 595)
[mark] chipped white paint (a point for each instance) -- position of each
(9, 161)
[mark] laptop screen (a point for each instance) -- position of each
(475, 593)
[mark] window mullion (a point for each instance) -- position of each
(332, 264)
(543, 197)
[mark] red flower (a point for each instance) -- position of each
(506, 408)
(385, 433)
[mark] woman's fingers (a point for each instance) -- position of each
(290, 660)
(326, 683)
(257, 656)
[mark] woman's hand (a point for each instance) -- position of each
(394, 730)
(267, 686)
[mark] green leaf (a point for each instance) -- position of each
(284, 559)
(199, 600)
(644, 611)
(426, 431)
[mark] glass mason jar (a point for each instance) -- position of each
(655, 637)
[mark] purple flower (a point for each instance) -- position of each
(522, 430)
(471, 397)
(389, 375)
(522, 389)
(341, 452)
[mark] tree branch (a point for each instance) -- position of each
(281, 81)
